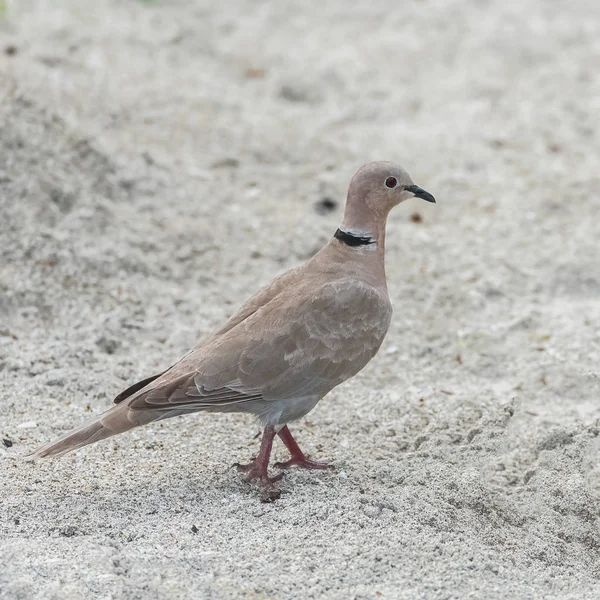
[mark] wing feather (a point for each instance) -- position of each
(284, 349)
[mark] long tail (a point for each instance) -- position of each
(117, 419)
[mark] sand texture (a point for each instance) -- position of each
(159, 161)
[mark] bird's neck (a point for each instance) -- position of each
(362, 221)
(361, 250)
(365, 234)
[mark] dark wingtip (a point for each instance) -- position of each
(136, 387)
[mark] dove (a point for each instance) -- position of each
(309, 330)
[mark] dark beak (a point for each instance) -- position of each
(420, 193)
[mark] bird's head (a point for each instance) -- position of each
(379, 186)
(375, 189)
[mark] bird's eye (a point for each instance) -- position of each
(391, 182)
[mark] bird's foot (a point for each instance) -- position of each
(257, 470)
(302, 461)
(297, 457)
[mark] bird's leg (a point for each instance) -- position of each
(297, 456)
(258, 468)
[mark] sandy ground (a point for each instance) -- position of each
(161, 160)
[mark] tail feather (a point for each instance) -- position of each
(72, 441)
(114, 421)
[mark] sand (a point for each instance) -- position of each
(159, 161)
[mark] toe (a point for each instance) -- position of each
(282, 465)
(302, 462)
(243, 468)
(313, 464)
(275, 477)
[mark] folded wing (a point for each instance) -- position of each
(275, 354)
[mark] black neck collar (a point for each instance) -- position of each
(353, 240)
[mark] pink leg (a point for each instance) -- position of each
(297, 456)
(259, 467)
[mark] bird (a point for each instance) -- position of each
(290, 344)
